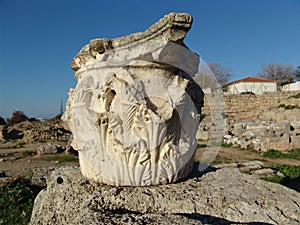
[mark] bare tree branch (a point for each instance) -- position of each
(221, 73)
(283, 73)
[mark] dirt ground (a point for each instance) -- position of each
(235, 155)
(22, 160)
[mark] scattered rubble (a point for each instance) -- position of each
(50, 148)
(252, 167)
(264, 135)
(33, 131)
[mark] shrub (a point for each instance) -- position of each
(32, 119)
(291, 171)
(295, 96)
(16, 202)
(2, 121)
(17, 117)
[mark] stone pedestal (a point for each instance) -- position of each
(226, 196)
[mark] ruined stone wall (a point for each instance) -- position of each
(251, 106)
(269, 121)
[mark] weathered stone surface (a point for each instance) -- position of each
(295, 140)
(295, 126)
(266, 172)
(242, 109)
(264, 135)
(12, 133)
(2, 174)
(32, 131)
(202, 135)
(225, 196)
(264, 107)
(40, 174)
(252, 167)
(1, 132)
(281, 114)
(50, 148)
(135, 110)
(243, 166)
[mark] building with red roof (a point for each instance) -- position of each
(250, 85)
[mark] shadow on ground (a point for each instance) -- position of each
(204, 219)
(216, 220)
(292, 183)
(200, 169)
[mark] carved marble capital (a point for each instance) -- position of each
(135, 110)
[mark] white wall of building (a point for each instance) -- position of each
(292, 87)
(254, 87)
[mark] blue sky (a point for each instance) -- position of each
(39, 38)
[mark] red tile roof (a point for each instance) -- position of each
(251, 79)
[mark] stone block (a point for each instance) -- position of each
(50, 148)
(281, 144)
(265, 144)
(225, 196)
(248, 135)
(202, 135)
(295, 141)
(295, 127)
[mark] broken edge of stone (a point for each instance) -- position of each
(172, 27)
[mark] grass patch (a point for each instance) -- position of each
(30, 174)
(28, 153)
(18, 145)
(293, 154)
(7, 154)
(260, 159)
(21, 154)
(271, 153)
(221, 160)
(201, 145)
(16, 202)
(275, 179)
(65, 158)
(290, 171)
(295, 96)
(288, 106)
(227, 145)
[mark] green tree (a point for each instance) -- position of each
(212, 75)
(2, 121)
(221, 73)
(17, 117)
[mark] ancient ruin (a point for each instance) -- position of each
(135, 110)
(225, 196)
